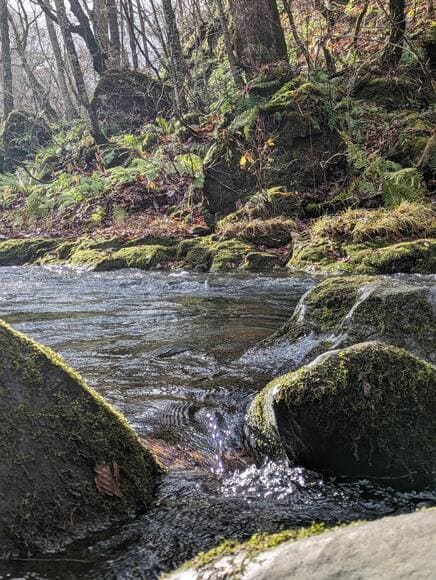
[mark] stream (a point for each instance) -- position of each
(170, 351)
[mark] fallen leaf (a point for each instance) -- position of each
(107, 479)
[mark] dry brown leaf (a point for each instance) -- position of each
(107, 479)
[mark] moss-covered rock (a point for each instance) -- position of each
(390, 92)
(141, 257)
(343, 311)
(365, 411)
(17, 252)
(272, 233)
(379, 241)
(261, 262)
(70, 463)
(23, 135)
(125, 100)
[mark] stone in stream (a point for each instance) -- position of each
(70, 464)
(367, 411)
(345, 310)
(397, 548)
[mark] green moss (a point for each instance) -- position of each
(365, 411)
(229, 254)
(24, 251)
(54, 430)
(250, 549)
(272, 232)
(346, 310)
(391, 93)
(261, 262)
(141, 257)
(417, 257)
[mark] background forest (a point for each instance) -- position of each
(136, 117)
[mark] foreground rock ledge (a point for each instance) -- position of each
(70, 464)
(399, 548)
(367, 411)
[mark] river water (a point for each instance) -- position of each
(169, 351)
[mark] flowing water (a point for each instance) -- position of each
(172, 352)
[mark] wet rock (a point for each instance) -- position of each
(125, 100)
(70, 463)
(17, 252)
(342, 311)
(399, 548)
(367, 411)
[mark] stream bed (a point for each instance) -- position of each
(169, 351)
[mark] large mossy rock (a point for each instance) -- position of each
(342, 311)
(283, 141)
(367, 411)
(400, 239)
(70, 464)
(23, 135)
(125, 100)
(17, 252)
(400, 548)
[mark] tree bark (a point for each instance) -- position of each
(70, 110)
(38, 91)
(177, 62)
(394, 48)
(77, 73)
(237, 79)
(114, 34)
(6, 61)
(259, 34)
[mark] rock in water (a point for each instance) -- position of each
(70, 464)
(347, 310)
(367, 411)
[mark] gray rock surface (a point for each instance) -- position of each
(398, 548)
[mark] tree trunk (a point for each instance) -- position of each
(301, 47)
(8, 92)
(70, 110)
(114, 31)
(259, 34)
(177, 62)
(237, 79)
(394, 49)
(77, 72)
(38, 91)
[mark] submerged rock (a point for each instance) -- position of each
(70, 462)
(400, 547)
(342, 311)
(367, 411)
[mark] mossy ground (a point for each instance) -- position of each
(364, 411)
(379, 241)
(54, 430)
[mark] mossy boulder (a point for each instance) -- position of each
(125, 100)
(272, 232)
(70, 462)
(142, 257)
(23, 135)
(17, 252)
(367, 411)
(392, 93)
(342, 311)
(378, 241)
